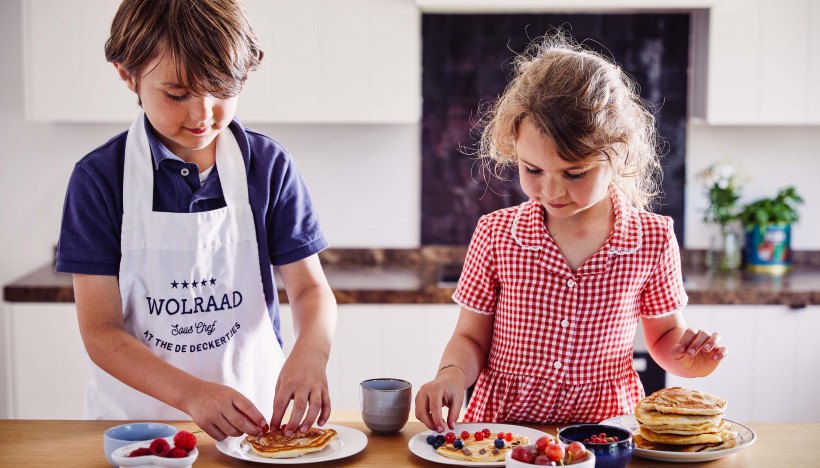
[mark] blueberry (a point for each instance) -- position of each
(430, 439)
(458, 443)
(440, 438)
(437, 444)
(499, 443)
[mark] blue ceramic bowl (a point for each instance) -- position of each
(120, 436)
(609, 455)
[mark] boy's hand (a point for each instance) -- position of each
(447, 389)
(700, 347)
(222, 411)
(303, 380)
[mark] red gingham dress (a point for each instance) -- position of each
(562, 341)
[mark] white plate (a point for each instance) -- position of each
(745, 435)
(348, 442)
(419, 446)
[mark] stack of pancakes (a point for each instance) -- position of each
(276, 444)
(681, 420)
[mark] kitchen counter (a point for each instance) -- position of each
(80, 444)
(428, 275)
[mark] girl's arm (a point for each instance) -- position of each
(303, 378)
(687, 352)
(465, 355)
(217, 409)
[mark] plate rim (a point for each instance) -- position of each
(686, 457)
(418, 438)
(347, 448)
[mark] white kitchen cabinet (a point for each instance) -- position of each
(757, 62)
(770, 373)
(326, 61)
(46, 361)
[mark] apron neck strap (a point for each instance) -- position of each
(138, 177)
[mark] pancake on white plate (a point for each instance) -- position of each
(275, 444)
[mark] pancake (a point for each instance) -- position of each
(656, 418)
(276, 444)
(481, 450)
(677, 400)
(674, 439)
(642, 443)
(691, 429)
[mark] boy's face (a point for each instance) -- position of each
(563, 188)
(186, 124)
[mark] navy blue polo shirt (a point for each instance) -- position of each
(287, 226)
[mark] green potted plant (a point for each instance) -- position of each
(768, 223)
(722, 185)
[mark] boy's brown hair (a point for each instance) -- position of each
(210, 42)
(586, 105)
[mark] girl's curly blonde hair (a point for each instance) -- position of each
(586, 105)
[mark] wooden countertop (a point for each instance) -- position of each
(80, 444)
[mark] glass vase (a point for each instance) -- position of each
(724, 251)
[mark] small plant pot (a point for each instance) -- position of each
(768, 248)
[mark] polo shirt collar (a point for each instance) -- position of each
(160, 152)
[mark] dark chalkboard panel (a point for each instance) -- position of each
(466, 61)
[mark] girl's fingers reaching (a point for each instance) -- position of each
(227, 427)
(697, 343)
(712, 341)
(423, 410)
(686, 340)
(454, 410)
(435, 414)
(213, 431)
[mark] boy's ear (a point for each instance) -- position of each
(126, 76)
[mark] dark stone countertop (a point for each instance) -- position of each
(427, 276)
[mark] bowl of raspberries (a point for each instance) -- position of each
(177, 451)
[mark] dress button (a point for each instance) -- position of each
(556, 364)
(565, 323)
(184, 172)
(570, 283)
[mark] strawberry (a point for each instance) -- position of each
(140, 452)
(177, 452)
(185, 440)
(159, 447)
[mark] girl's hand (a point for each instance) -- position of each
(700, 347)
(303, 380)
(222, 411)
(447, 389)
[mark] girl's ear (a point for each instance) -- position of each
(126, 76)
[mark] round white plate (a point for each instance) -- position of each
(419, 446)
(348, 442)
(745, 435)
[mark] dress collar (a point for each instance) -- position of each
(530, 232)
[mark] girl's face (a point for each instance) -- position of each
(185, 123)
(564, 189)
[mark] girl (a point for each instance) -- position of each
(171, 228)
(552, 290)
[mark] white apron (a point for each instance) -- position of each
(191, 290)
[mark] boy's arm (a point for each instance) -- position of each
(218, 409)
(683, 351)
(303, 378)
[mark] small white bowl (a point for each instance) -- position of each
(120, 457)
(588, 463)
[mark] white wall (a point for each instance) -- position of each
(770, 158)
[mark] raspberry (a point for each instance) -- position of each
(140, 452)
(185, 440)
(159, 447)
(177, 452)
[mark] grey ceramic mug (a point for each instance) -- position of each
(385, 404)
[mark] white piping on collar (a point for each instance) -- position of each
(612, 250)
(514, 228)
(634, 212)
